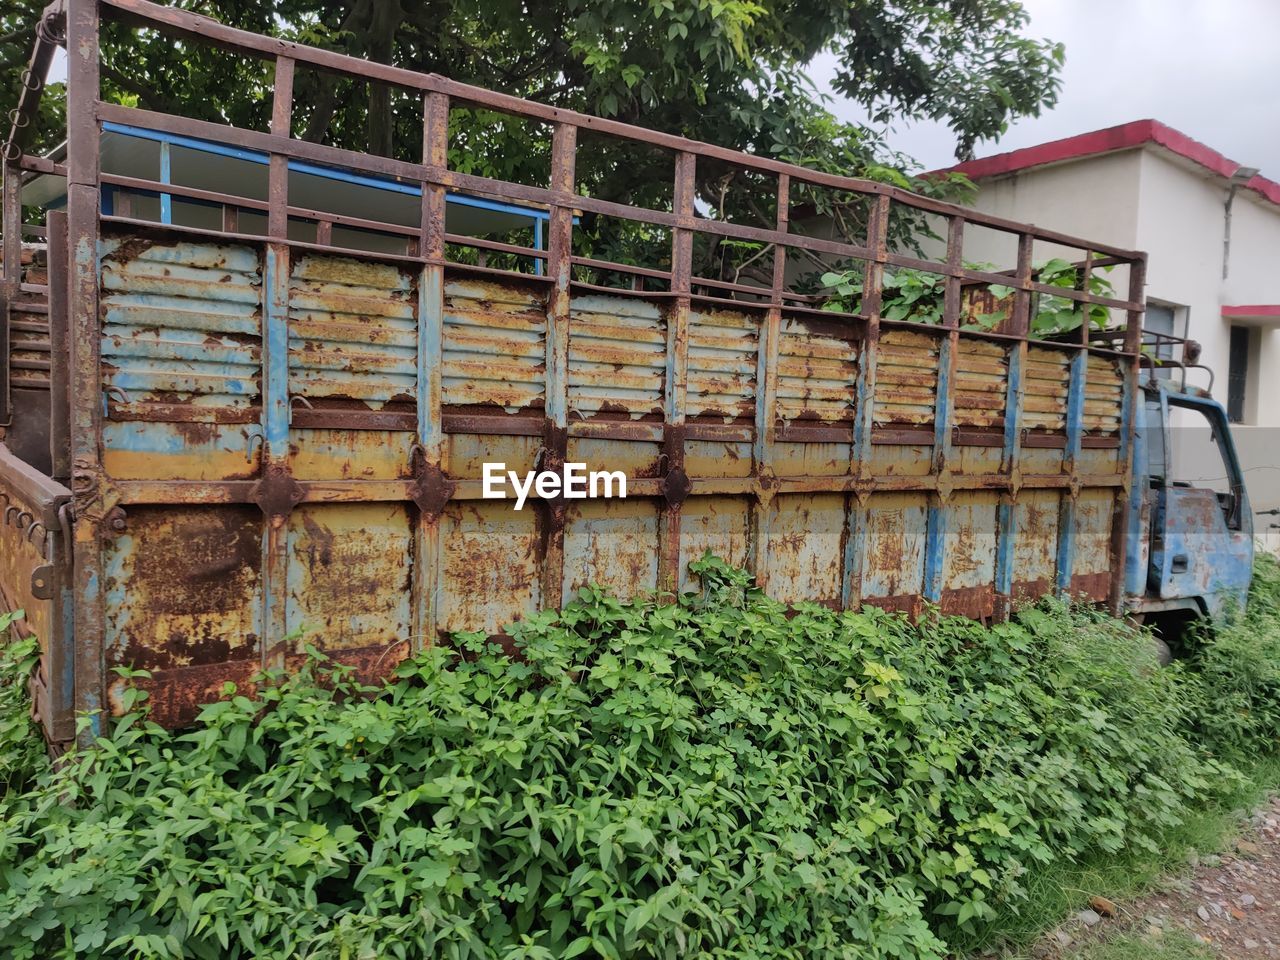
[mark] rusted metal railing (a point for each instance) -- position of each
(866, 442)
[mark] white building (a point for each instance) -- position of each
(1211, 228)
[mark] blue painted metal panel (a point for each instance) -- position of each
(1216, 560)
(1136, 557)
(166, 176)
(1007, 532)
(275, 387)
(331, 173)
(1075, 431)
(936, 536)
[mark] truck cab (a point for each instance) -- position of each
(1190, 510)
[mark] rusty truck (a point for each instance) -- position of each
(250, 383)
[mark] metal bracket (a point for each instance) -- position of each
(946, 486)
(42, 578)
(277, 493)
(675, 486)
(432, 487)
(115, 520)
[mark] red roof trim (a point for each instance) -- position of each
(1252, 310)
(1126, 136)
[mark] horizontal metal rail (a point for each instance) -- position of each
(204, 30)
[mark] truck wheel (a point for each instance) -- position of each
(1170, 628)
(1164, 656)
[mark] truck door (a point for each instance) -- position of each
(1202, 529)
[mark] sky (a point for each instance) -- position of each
(1209, 68)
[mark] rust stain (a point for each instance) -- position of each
(182, 587)
(976, 603)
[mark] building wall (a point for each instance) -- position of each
(1147, 199)
(1097, 200)
(1181, 225)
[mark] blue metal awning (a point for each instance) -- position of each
(224, 168)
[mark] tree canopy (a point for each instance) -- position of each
(731, 72)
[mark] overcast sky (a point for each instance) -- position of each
(1210, 68)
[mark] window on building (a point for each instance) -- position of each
(1160, 318)
(1238, 374)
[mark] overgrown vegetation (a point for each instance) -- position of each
(706, 778)
(916, 295)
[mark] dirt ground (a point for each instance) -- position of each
(1229, 903)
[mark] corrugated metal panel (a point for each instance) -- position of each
(352, 331)
(337, 454)
(29, 348)
(29, 326)
(368, 578)
(906, 377)
(1103, 395)
(723, 348)
(1046, 381)
(182, 322)
(617, 356)
(151, 450)
(817, 373)
(982, 377)
(495, 345)
(812, 459)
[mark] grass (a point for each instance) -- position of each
(1058, 891)
(1172, 946)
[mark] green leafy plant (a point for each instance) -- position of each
(916, 295)
(22, 754)
(718, 776)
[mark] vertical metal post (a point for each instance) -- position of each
(11, 277)
(278, 171)
(92, 497)
(762, 447)
(1011, 457)
(864, 403)
(555, 441)
(59, 351)
(944, 418)
(277, 493)
(1082, 285)
(61, 643)
(433, 487)
(1129, 413)
(166, 174)
(1067, 506)
(675, 481)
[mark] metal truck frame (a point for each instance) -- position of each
(238, 437)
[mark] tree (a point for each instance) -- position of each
(731, 72)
